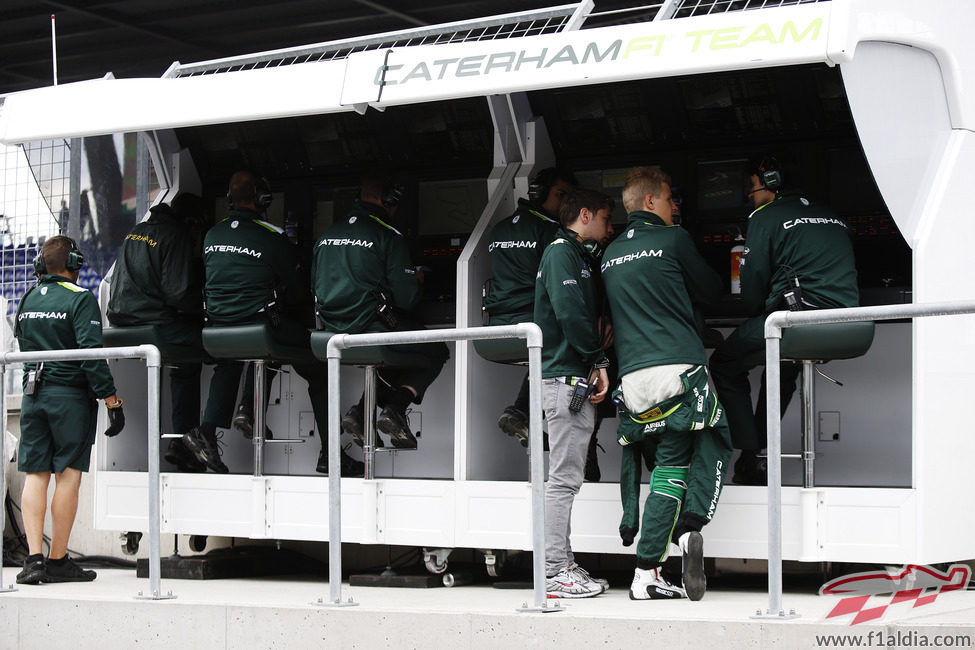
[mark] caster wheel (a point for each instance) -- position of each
(130, 542)
(198, 543)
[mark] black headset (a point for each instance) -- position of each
(770, 173)
(393, 194)
(262, 193)
(75, 261)
(541, 184)
(591, 248)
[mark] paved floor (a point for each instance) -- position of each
(280, 612)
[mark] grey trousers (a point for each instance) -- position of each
(568, 440)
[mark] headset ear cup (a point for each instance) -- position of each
(76, 260)
(39, 267)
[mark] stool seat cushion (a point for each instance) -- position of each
(250, 342)
(120, 337)
(827, 341)
(511, 351)
(372, 355)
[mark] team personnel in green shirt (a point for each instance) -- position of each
(791, 241)
(158, 280)
(252, 277)
(516, 248)
(567, 311)
(653, 276)
(365, 281)
(57, 417)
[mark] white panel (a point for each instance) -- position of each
(903, 123)
(729, 41)
(417, 512)
(126, 105)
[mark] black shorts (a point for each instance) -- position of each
(57, 429)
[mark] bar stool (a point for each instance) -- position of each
(255, 343)
(369, 358)
(813, 345)
(172, 354)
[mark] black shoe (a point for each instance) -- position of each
(750, 471)
(394, 424)
(67, 571)
(244, 421)
(34, 571)
(514, 422)
(205, 448)
(591, 472)
(692, 566)
(183, 458)
(348, 466)
(352, 424)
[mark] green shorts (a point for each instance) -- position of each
(57, 429)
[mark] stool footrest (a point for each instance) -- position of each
(278, 441)
(171, 435)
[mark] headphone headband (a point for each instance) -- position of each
(74, 262)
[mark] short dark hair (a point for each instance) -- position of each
(189, 208)
(242, 190)
(55, 251)
(579, 198)
(376, 182)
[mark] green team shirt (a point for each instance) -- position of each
(157, 277)
(57, 314)
(653, 276)
(812, 241)
(566, 309)
(356, 257)
(248, 263)
(516, 248)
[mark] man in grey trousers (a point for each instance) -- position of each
(573, 366)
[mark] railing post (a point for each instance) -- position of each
(334, 359)
(3, 465)
(153, 371)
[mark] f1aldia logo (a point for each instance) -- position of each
(918, 584)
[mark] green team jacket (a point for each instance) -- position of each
(812, 240)
(567, 310)
(516, 248)
(248, 263)
(157, 277)
(356, 257)
(653, 275)
(57, 314)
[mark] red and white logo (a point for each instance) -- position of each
(920, 584)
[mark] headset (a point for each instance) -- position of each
(591, 248)
(75, 261)
(393, 195)
(541, 184)
(262, 193)
(770, 173)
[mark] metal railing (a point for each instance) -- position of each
(533, 336)
(153, 364)
(774, 324)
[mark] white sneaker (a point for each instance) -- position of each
(692, 564)
(578, 570)
(649, 584)
(570, 584)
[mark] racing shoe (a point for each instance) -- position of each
(394, 424)
(185, 461)
(650, 584)
(575, 568)
(514, 422)
(692, 564)
(352, 424)
(65, 570)
(571, 584)
(204, 446)
(34, 571)
(348, 466)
